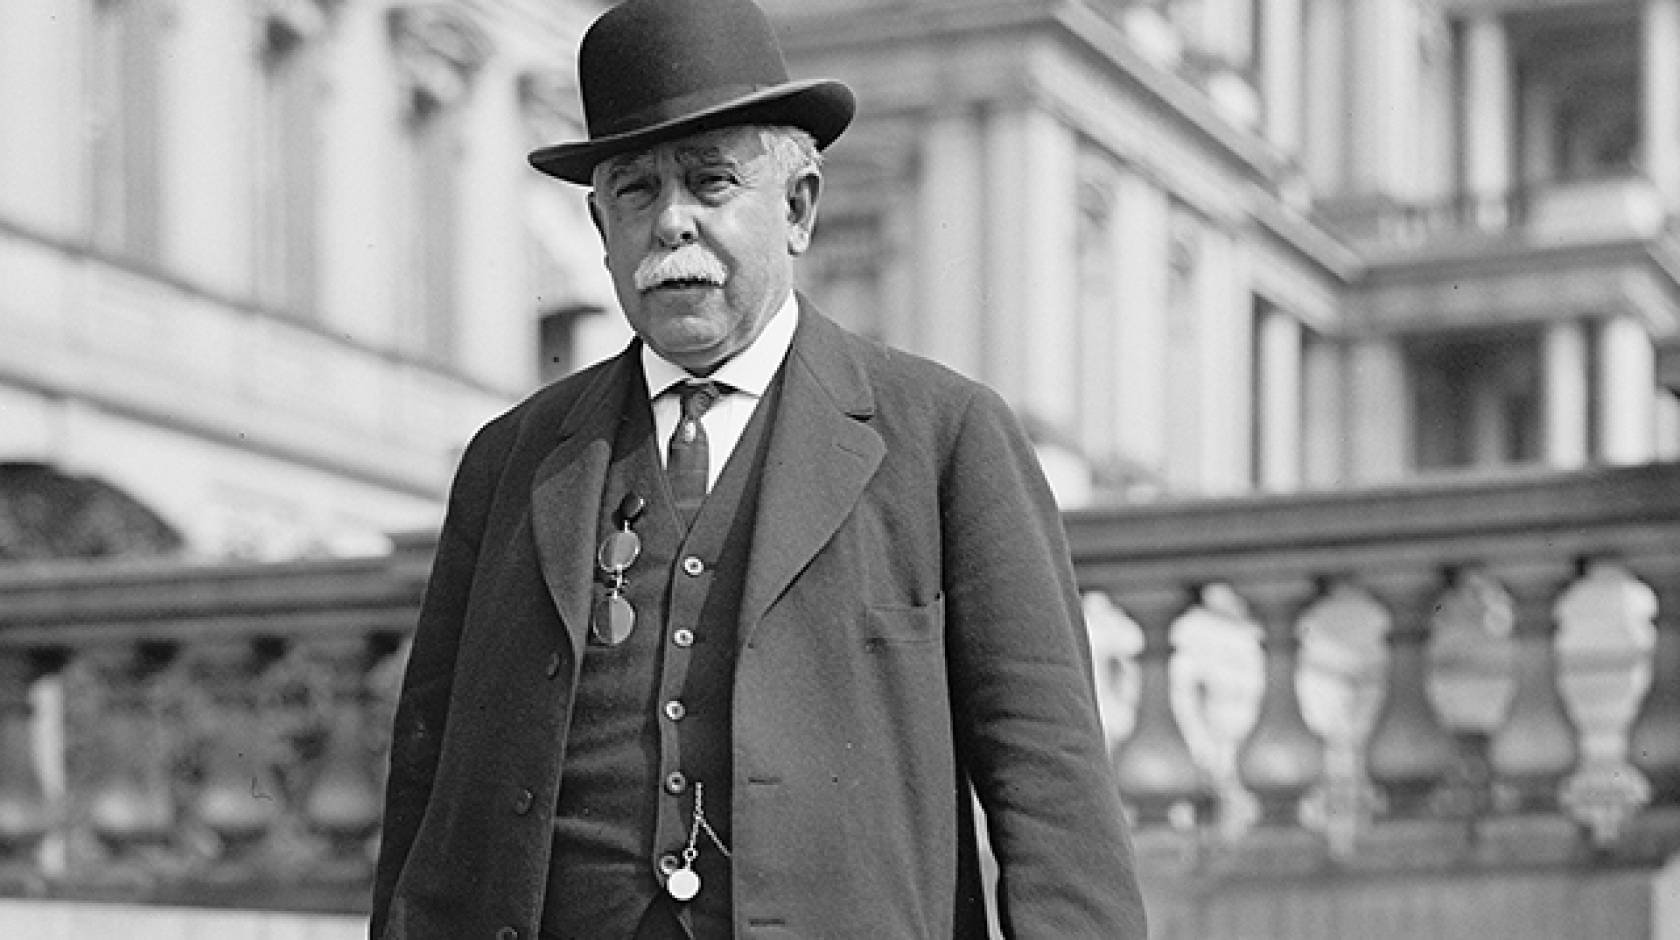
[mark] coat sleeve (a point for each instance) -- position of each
(423, 703)
(1024, 706)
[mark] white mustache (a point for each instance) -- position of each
(687, 263)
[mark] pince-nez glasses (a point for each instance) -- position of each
(613, 618)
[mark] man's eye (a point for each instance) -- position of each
(633, 190)
(712, 182)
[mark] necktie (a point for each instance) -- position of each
(686, 457)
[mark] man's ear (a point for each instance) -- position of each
(595, 216)
(803, 192)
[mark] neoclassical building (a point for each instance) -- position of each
(265, 264)
(1231, 245)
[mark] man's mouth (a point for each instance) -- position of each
(684, 283)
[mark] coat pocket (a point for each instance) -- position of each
(904, 623)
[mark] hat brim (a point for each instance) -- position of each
(821, 107)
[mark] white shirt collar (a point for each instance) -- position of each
(749, 371)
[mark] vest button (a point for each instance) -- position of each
(675, 710)
(523, 802)
(675, 783)
(693, 566)
(553, 668)
(507, 933)
(669, 862)
(682, 636)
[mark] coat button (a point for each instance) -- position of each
(675, 783)
(553, 668)
(693, 566)
(507, 933)
(675, 710)
(682, 636)
(523, 802)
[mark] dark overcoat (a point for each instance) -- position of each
(909, 637)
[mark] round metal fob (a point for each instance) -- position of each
(683, 884)
(614, 619)
(619, 550)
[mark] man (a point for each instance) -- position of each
(725, 634)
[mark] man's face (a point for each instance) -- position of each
(701, 234)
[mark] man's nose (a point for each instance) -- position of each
(675, 223)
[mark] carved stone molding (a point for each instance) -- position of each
(285, 23)
(549, 105)
(438, 50)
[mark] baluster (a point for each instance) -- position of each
(1154, 765)
(129, 807)
(1409, 754)
(341, 805)
(1654, 738)
(1282, 758)
(25, 816)
(1537, 745)
(238, 798)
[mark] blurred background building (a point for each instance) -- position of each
(1346, 329)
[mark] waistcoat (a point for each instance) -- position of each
(650, 721)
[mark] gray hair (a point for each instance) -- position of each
(792, 151)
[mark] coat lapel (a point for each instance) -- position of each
(822, 453)
(566, 494)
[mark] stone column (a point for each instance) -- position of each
(1030, 272)
(1324, 151)
(1283, 75)
(208, 69)
(1379, 412)
(1280, 401)
(42, 44)
(1489, 119)
(1660, 60)
(1566, 411)
(1324, 456)
(1627, 392)
(1143, 213)
(950, 243)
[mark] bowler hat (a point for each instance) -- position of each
(656, 70)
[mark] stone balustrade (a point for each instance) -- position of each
(204, 736)
(1464, 676)
(1480, 676)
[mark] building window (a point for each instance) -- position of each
(123, 92)
(438, 52)
(1581, 95)
(286, 158)
(1476, 400)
